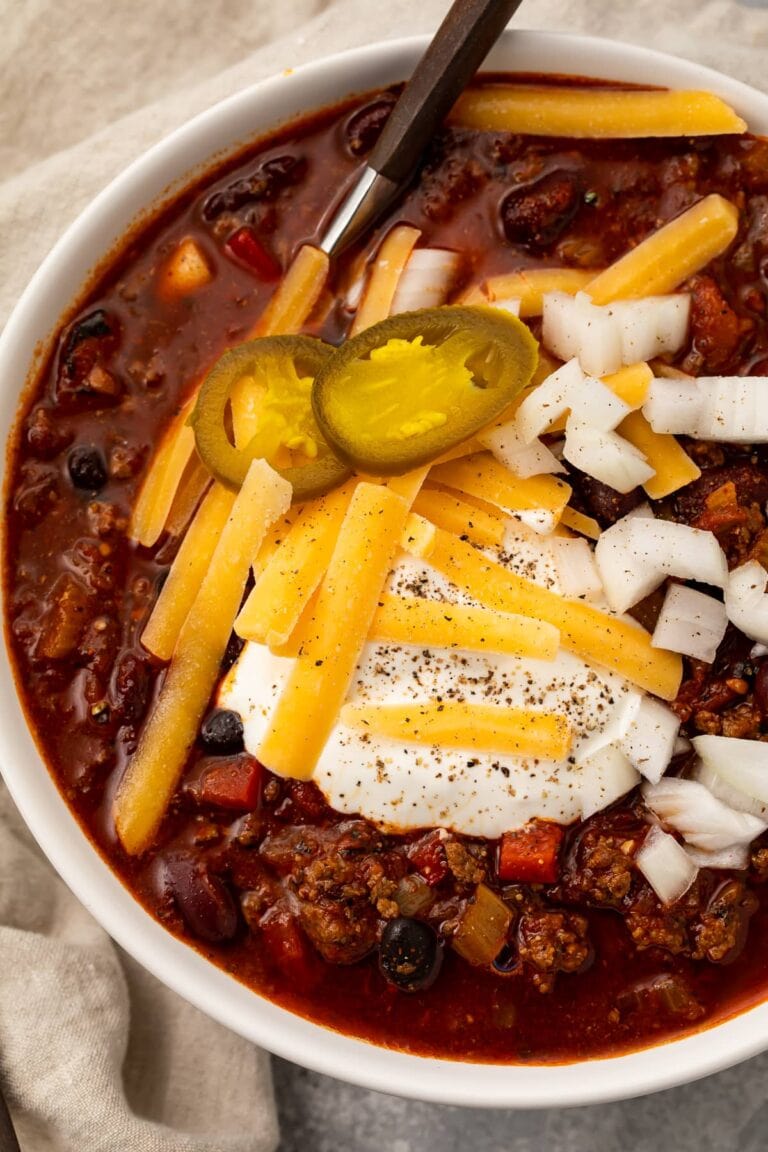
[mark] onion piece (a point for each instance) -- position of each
(426, 280)
(666, 866)
(613, 731)
(606, 776)
(649, 741)
(523, 460)
(735, 409)
(729, 409)
(651, 326)
(605, 455)
(736, 857)
(604, 337)
(552, 398)
(635, 554)
(673, 406)
(576, 568)
(702, 819)
(733, 797)
(690, 622)
(746, 600)
(743, 764)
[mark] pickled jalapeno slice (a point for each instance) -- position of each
(406, 390)
(279, 370)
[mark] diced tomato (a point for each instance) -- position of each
(531, 854)
(246, 246)
(428, 858)
(286, 944)
(232, 783)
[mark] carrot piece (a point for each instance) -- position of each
(530, 855)
(232, 783)
(385, 275)
(154, 770)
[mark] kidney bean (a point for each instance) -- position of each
(761, 690)
(203, 899)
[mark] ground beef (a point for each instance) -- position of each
(466, 862)
(721, 930)
(600, 870)
(552, 940)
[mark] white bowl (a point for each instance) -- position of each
(168, 167)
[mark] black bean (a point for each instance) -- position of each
(222, 732)
(409, 954)
(87, 469)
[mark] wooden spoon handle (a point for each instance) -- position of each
(457, 50)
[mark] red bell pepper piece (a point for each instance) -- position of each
(233, 783)
(246, 246)
(428, 858)
(531, 854)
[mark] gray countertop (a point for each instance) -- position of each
(724, 1113)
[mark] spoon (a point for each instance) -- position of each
(456, 51)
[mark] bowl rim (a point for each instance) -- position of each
(163, 170)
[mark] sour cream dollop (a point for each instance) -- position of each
(402, 786)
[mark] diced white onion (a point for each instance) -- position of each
(735, 409)
(576, 568)
(426, 280)
(605, 337)
(635, 554)
(666, 866)
(649, 740)
(612, 731)
(522, 459)
(673, 406)
(729, 409)
(729, 795)
(606, 776)
(606, 456)
(594, 403)
(757, 651)
(651, 326)
(746, 600)
(704, 821)
(552, 398)
(736, 857)
(743, 764)
(690, 622)
(561, 327)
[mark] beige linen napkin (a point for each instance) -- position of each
(94, 1053)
